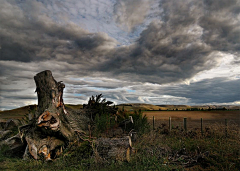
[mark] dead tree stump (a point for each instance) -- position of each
(53, 126)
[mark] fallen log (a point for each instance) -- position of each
(113, 148)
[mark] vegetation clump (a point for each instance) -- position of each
(153, 151)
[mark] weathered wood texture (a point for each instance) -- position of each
(114, 148)
(53, 125)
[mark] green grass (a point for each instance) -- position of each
(74, 107)
(154, 151)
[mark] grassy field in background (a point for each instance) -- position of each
(208, 116)
(20, 113)
(194, 117)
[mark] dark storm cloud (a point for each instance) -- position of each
(27, 34)
(217, 90)
(185, 40)
(11, 50)
(161, 55)
(221, 24)
(178, 46)
(182, 44)
(24, 97)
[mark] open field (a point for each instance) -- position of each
(194, 117)
(144, 106)
(18, 113)
(21, 112)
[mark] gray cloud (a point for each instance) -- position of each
(184, 40)
(176, 48)
(217, 90)
(130, 13)
(32, 36)
(161, 55)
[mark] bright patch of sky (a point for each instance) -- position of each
(224, 69)
(97, 16)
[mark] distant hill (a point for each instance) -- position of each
(22, 111)
(174, 107)
(230, 107)
(143, 106)
(17, 113)
(137, 106)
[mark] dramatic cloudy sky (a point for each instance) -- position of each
(131, 51)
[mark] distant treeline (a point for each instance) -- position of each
(194, 109)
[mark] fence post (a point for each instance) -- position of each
(153, 123)
(185, 123)
(202, 126)
(226, 127)
(170, 124)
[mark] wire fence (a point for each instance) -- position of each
(186, 125)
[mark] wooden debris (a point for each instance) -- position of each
(114, 148)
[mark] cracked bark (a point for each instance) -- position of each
(53, 126)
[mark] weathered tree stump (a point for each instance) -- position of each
(53, 126)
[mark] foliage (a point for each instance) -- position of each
(140, 122)
(3, 152)
(101, 114)
(105, 119)
(103, 123)
(155, 151)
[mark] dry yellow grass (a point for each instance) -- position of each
(19, 113)
(194, 117)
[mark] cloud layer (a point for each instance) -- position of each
(130, 13)
(177, 40)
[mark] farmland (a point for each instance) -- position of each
(193, 117)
